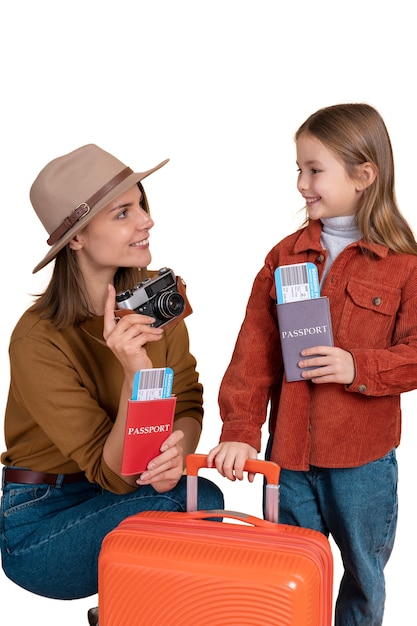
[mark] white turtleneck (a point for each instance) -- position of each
(337, 233)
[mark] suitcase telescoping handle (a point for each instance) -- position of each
(270, 470)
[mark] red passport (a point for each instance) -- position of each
(303, 324)
(148, 424)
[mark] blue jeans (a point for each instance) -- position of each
(51, 536)
(358, 506)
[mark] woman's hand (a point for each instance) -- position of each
(127, 337)
(332, 365)
(230, 457)
(165, 470)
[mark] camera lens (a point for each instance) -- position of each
(169, 305)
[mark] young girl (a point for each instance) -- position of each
(72, 364)
(335, 432)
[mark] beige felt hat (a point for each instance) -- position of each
(73, 188)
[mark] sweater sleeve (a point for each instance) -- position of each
(187, 388)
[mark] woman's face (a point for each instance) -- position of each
(118, 236)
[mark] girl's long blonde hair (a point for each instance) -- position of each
(356, 134)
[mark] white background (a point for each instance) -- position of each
(219, 87)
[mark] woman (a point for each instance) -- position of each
(72, 366)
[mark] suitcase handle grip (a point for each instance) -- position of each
(236, 515)
(270, 470)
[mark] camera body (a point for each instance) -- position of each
(157, 297)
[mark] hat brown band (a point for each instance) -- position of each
(84, 208)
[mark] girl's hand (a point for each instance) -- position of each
(165, 470)
(230, 457)
(331, 365)
(127, 337)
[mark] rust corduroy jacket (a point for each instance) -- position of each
(373, 302)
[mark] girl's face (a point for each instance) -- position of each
(118, 236)
(323, 181)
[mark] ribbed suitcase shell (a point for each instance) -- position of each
(180, 569)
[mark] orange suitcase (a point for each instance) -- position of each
(181, 569)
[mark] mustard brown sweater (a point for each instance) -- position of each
(64, 395)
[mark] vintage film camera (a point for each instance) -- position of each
(162, 297)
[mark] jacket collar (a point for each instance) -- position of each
(309, 239)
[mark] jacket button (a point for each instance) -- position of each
(320, 258)
(377, 301)
(362, 388)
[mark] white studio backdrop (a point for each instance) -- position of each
(218, 87)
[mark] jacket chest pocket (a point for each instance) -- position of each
(368, 316)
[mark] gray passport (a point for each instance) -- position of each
(303, 324)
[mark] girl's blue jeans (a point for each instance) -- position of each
(358, 506)
(50, 536)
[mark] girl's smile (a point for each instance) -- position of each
(143, 243)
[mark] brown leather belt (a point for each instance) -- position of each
(28, 477)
